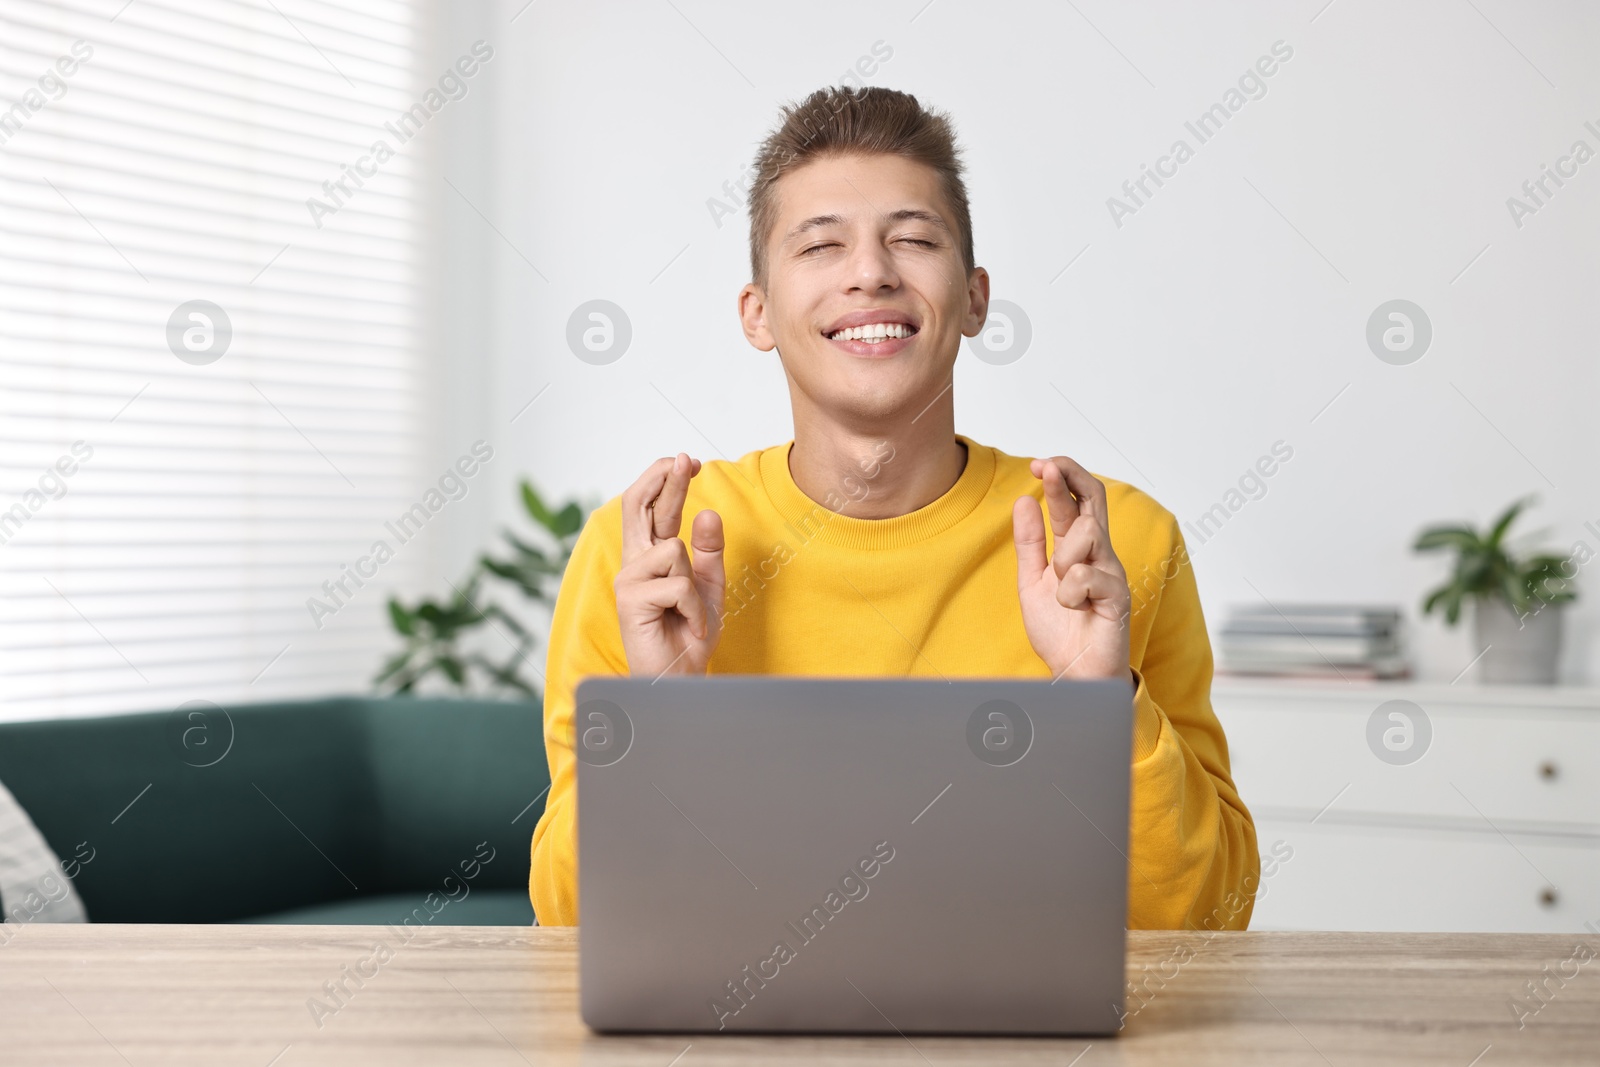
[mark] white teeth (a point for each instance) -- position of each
(873, 332)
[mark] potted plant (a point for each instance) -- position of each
(433, 631)
(1516, 598)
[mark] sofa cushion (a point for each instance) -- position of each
(34, 887)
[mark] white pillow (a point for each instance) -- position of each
(33, 885)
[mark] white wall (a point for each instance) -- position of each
(1221, 317)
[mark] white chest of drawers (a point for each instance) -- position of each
(1479, 812)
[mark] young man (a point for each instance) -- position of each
(881, 542)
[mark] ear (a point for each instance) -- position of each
(977, 302)
(753, 318)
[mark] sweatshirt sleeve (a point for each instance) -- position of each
(584, 640)
(1192, 844)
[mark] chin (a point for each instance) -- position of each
(867, 392)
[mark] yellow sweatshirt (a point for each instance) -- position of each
(931, 594)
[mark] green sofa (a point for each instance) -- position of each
(344, 810)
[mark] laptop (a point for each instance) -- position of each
(842, 855)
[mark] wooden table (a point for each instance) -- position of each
(238, 995)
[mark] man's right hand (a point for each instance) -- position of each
(669, 608)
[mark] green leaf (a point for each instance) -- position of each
(497, 612)
(1547, 579)
(1475, 574)
(1545, 564)
(504, 675)
(462, 615)
(531, 585)
(395, 665)
(568, 521)
(453, 669)
(531, 568)
(535, 506)
(1504, 522)
(524, 548)
(1514, 591)
(402, 619)
(1446, 537)
(504, 570)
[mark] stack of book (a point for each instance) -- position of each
(1332, 640)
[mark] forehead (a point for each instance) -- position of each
(856, 186)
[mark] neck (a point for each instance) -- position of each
(892, 468)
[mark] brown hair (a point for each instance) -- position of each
(838, 121)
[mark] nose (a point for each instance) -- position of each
(871, 269)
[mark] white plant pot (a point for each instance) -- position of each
(1522, 650)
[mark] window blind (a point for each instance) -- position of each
(209, 391)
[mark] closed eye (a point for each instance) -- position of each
(920, 242)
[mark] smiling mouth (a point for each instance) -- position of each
(874, 333)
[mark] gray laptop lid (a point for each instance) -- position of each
(801, 854)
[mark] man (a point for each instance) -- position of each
(881, 542)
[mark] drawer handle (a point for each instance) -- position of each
(1548, 770)
(1548, 896)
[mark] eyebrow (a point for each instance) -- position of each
(906, 214)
